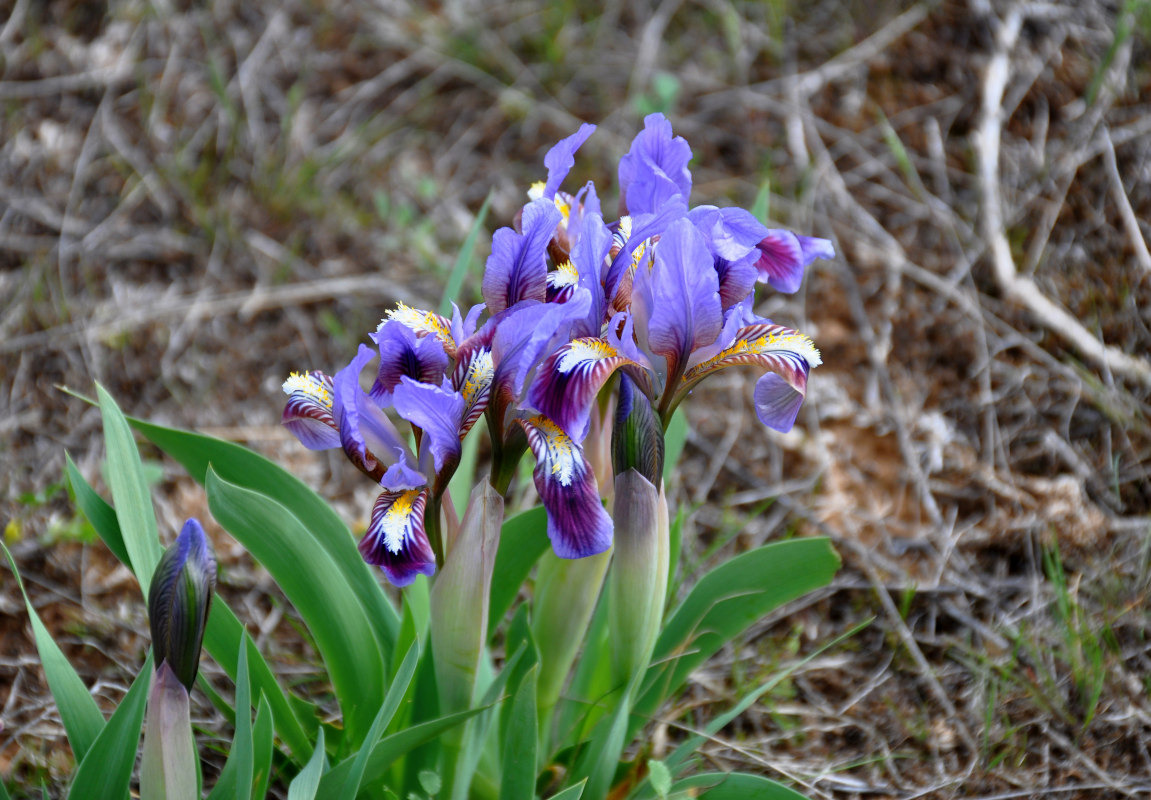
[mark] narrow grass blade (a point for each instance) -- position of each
(726, 601)
(520, 742)
(242, 467)
(222, 641)
(387, 710)
(235, 779)
(735, 786)
(262, 751)
(523, 539)
(106, 770)
(307, 780)
(597, 763)
(78, 711)
(464, 259)
(99, 513)
(312, 583)
(413, 620)
(391, 748)
(130, 492)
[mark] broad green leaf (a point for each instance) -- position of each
(464, 260)
(387, 710)
(735, 786)
(725, 602)
(477, 729)
(236, 778)
(313, 583)
(390, 748)
(130, 492)
(99, 513)
(464, 478)
(413, 620)
(566, 594)
(523, 539)
(262, 751)
(241, 466)
(4, 791)
(581, 707)
(222, 636)
(572, 792)
(78, 711)
(520, 741)
(106, 770)
(304, 785)
(674, 438)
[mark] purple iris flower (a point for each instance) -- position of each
(337, 412)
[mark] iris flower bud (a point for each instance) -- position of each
(637, 438)
(178, 602)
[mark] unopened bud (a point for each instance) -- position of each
(637, 438)
(178, 602)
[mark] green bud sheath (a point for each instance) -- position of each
(168, 764)
(460, 597)
(638, 580)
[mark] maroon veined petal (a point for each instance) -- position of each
(396, 540)
(578, 525)
(308, 412)
(568, 382)
(473, 379)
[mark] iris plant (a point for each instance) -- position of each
(663, 297)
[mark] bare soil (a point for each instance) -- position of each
(197, 198)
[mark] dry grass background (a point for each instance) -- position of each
(196, 198)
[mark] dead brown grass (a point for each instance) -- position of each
(195, 199)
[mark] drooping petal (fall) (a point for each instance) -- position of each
(308, 412)
(578, 525)
(517, 267)
(787, 355)
(396, 540)
(569, 380)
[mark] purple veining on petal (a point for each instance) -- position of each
(308, 412)
(403, 353)
(567, 383)
(578, 525)
(396, 540)
(517, 267)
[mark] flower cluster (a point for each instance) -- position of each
(663, 296)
